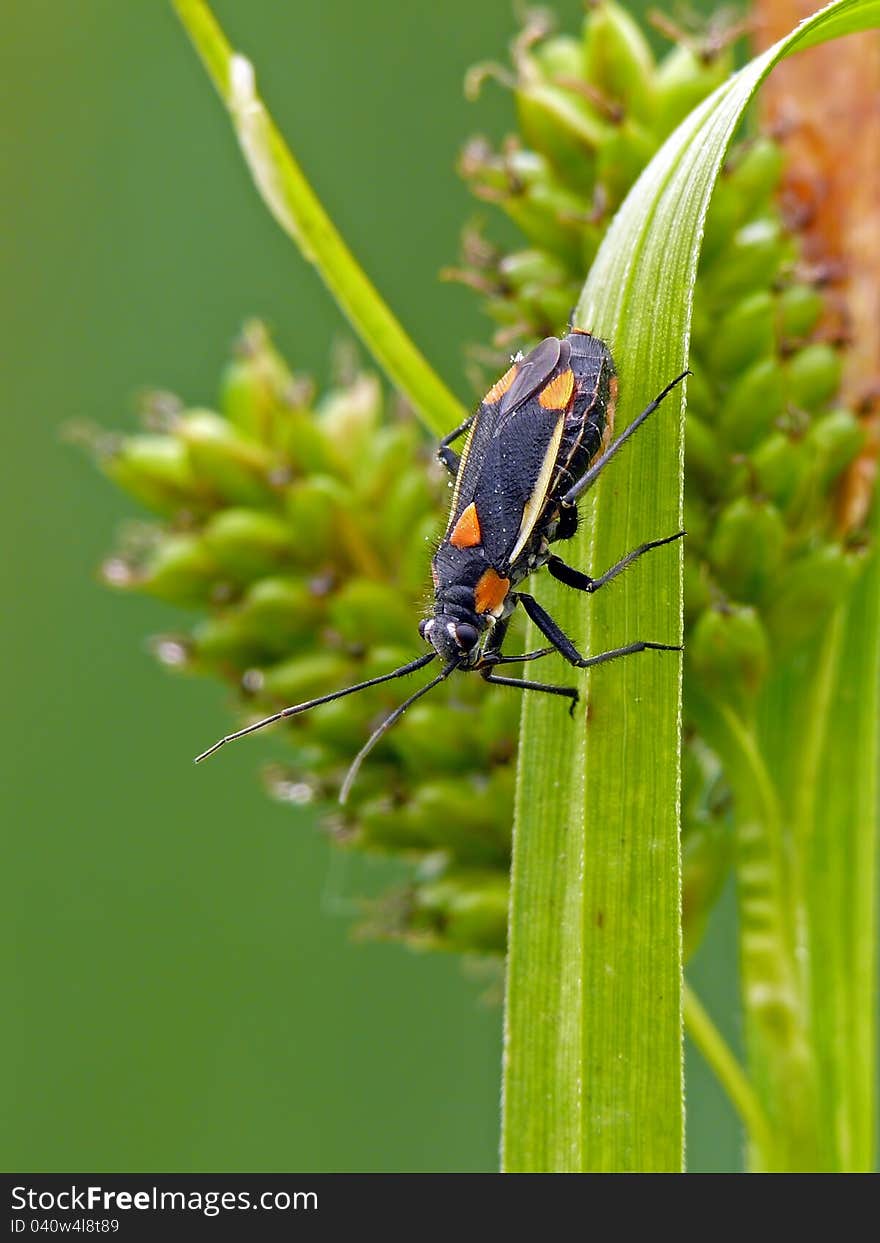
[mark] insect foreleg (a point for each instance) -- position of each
(492, 655)
(549, 629)
(587, 480)
(566, 648)
(447, 456)
(518, 660)
(582, 582)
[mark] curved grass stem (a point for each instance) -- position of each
(728, 1071)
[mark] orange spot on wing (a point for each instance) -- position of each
(490, 592)
(557, 394)
(500, 387)
(466, 532)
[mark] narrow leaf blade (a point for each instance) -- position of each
(593, 1077)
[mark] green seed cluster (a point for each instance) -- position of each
(592, 112)
(766, 439)
(300, 531)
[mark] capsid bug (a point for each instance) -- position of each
(539, 439)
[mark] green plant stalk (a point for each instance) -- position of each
(592, 1062)
(296, 207)
(818, 727)
(779, 1058)
(806, 873)
(845, 911)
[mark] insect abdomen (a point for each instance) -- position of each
(590, 423)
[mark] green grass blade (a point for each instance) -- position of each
(293, 203)
(592, 1068)
(845, 928)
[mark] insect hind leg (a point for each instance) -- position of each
(587, 480)
(582, 582)
(563, 644)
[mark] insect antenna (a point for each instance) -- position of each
(295, 709)
(382, 729)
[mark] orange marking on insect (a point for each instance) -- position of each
(490, 592)
(466, 533)
(500, 387)
(557, 394)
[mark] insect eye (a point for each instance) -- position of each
(466, 636)
(425, 627)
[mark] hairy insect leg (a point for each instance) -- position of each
(549, 628)
(447, 456)
(545, 687)
(450, 459)
(582, 582)
(563, 644)
(492, 656)
(587, 480)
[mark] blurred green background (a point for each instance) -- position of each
(184, 993)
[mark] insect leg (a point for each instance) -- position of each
(492, 656)
(546, 687)
(450, 460)
(499, 634)
(587, 480)
(447, 456)
(549, 629)
(582, 582)
(566, 648)
(631, 648)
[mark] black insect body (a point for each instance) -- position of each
(532, 439)
(539, 439)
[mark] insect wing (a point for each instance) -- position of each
(517, 468)
(481, 457)
(533, 372)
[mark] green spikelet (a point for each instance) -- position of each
(299, 529)
(765, 441)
